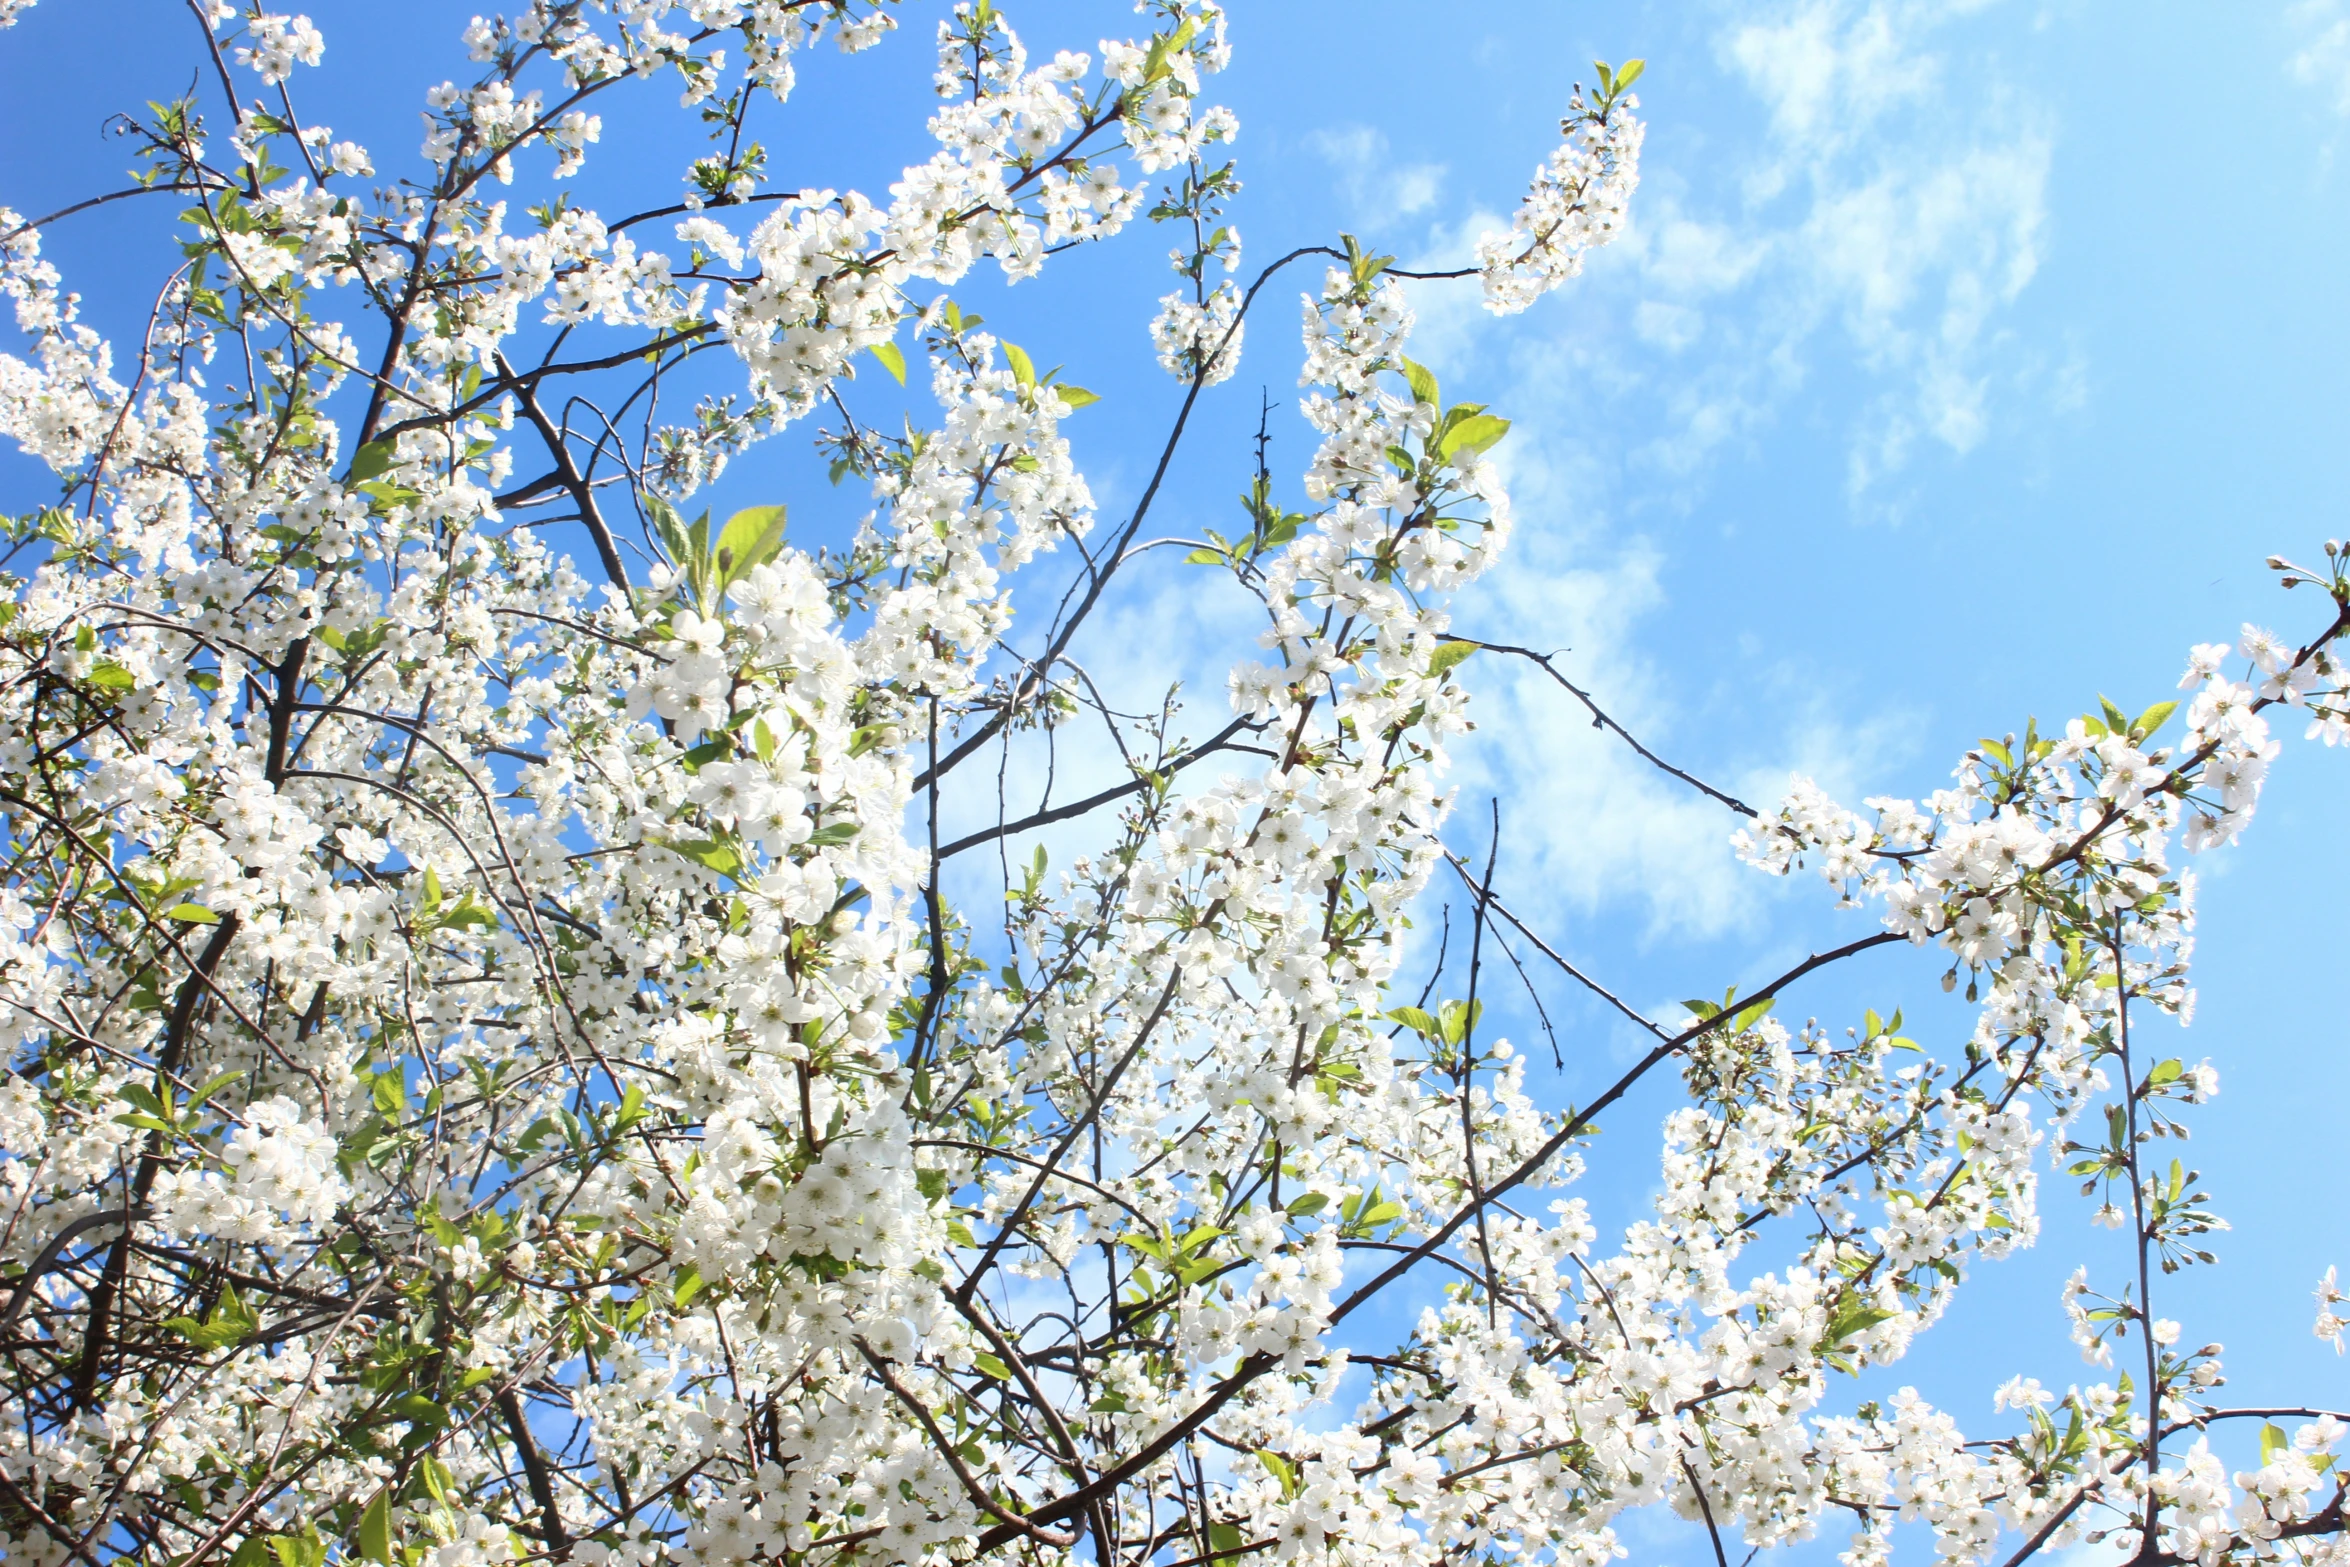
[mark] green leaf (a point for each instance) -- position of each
(300, 1550)
(390, 1093)
(111, 676)
(716, 749)
(211, 1087)
(191, 914)
(750, 538)
(1204, 557)
(1472, 437)
(714, 853)
(2153, 719)
(1310, 1203)
(467, 914)
(371, 461)
(1023, 369)
(685, 1286)
(1423, 383)
(669, 528)
(2272, 1442)
(990, 1366)
(1280, 1469)
(893, 359)
(1856, 1318)
(836, 833)
(231, 1323)
(418, 1410)
(1749, 1016)
(1076, 396)
(1449, 656)
(1362, 264)
(1414, 1019)
(1225, 1541)
(1627, 74)
(375, 1529)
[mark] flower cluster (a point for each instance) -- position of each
(1580, 197)
(506, 1057)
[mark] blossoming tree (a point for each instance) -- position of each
(495, 1070)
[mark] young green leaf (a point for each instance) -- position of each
(750, 538)
(2152, 720)
(1472, 437)
(1414, 1019)
(375, 1529)
(1423, 382)
(668, 528)
(1023, 370)
(1448, 657)
(371, 461)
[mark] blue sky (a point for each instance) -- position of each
(1963, 361)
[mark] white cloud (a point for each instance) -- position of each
(2322, 58)
(1694, 258)
(1919, 262)
(1670, 327)
(1589, 827)
(1927, 203)
(1379, 192)
(1826, 74)
(1887, 210)
(1969, 226)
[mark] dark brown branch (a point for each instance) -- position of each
(1600, 720)
(1020, 1527)
(1582, 1119)
(567, 471)
(534, 1467)
(1062, 813)
(1543, 947)
(47, 1259)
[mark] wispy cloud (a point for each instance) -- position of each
(1826, 73)
(1881, 208)
(1588, 822)
(1923, 203)
(1378, 191)
(2321, 53)
(1885, 207)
